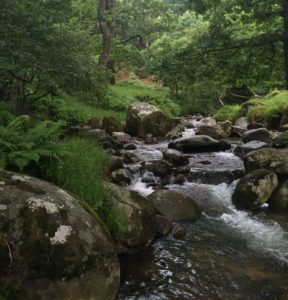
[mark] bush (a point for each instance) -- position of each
(80, 170)
(229, 112)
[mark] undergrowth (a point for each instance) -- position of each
(79, 170)
(126, 92)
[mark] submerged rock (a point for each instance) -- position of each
(50, 246)
(143, 118)
(175, 206)
(254, 189)
(199, 143)
(275, 160)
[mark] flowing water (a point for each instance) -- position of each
(228, 254)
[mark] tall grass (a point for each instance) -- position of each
(79, 170)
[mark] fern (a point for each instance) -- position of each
(21, 145)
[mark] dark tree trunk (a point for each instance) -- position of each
(106, 24)
(285, 41)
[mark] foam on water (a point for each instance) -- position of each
(141, 188)
(259, 233)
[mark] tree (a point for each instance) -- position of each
(107, 25)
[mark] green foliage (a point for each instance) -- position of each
(269, 106)
(122, 94)
(229, 112)
(22, 144)
(274, 104)
(79, 170)
(71, 109)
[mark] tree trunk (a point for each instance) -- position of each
(285, 41)
(106, 24)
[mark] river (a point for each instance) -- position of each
(228, 254)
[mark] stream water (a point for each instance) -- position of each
(228, 254)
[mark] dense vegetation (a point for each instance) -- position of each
(63, 62)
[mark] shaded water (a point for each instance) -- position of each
(227, 254)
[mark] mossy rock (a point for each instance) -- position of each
(254, 189)
(132, 220)
(275, 160)
(50, 246)
(143, 119)
(111, 124)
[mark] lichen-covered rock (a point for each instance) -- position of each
(143, 118)
(275, 160)
(111, 124)
(254, 189)
(175, 206)
(215, 132)
(260, 134)
(279, 199)
(199, 143)
(242, 150)
(136, 220)
(50, 246)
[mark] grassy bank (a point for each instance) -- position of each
(274, 104)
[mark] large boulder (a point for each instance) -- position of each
(275, 160)
(50, 246)
(215, 132)
(254, 189)
(132, 220)
(175, 206)
(199, 143)
(242, 150)
(279, 199)
(143, 118)
(260, 134)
